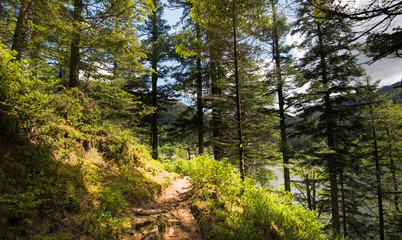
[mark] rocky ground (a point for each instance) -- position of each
(169, 217)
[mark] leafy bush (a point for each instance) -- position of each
(112, 201)
(103, 225)
(245, 210)
(65, 172)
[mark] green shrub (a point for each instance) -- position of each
(245, 210)
(103, 225)
(112, 201)
(65, 171)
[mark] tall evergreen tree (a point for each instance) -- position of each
(379, 14)
(281, 77)
(21, 28)
(156, 31)
(75, 57)
(230, 21)
(190, 74)
(377, 147)
(330, 69)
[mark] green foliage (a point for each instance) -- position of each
(34, 185)
(112, 201)
(385, 120)
(381, 45)
(392, 92)
(65, 171)
(244, 210)
(103, 225)
(117, 105)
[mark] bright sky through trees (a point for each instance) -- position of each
(389, 70)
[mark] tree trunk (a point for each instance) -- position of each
(281, 100)
(345, 233)
(379, 190)
(35, 48)
(75, 45)
(330, 137)
(238, 98)
(200, 101)
(154, 65)
(308, 192)
(314, 203)
(393, 173)
(378, 175)
(21, 28)
(155, 114)
(216, 93)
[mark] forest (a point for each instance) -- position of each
(264, 104)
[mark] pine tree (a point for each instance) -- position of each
(191, 72)
(21, 28)
(377, 147)
(378, 16)
(156, 31)
(230, 25)
(282, 77)
(75, 44)
(330, 69)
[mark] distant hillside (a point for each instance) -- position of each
(170, 113)
(392, 92)
(177, 126)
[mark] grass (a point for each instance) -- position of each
(239, 210)
(65, 172)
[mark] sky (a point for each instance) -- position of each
(388, 70)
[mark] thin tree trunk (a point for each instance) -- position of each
(281, 100)
(216, 93)
(154, 65)
(34, 53)
(330, 138)
(61, 61)
(345, 233)
(314, 204)
(115, 59)
(378, 176)
(200, 101)
(308, 192)
(379, 190)
(21, 28)
(75, 45)
(393, 173)
(238, 98)
(155, 114)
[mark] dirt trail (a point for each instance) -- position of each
(173, 202)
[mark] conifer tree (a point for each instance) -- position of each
(377, 146)
(379, 16)
(230, 21)
(282, 77)
(156, 31)
(75, 57)
(330, 69)
(21, 28)
(190, 74)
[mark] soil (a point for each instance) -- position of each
(173, 204)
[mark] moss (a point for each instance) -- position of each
(65, 173)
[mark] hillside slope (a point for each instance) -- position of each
(65, 173)
(392, 92)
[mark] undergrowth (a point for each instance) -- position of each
(65, 172)
(237, 210)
